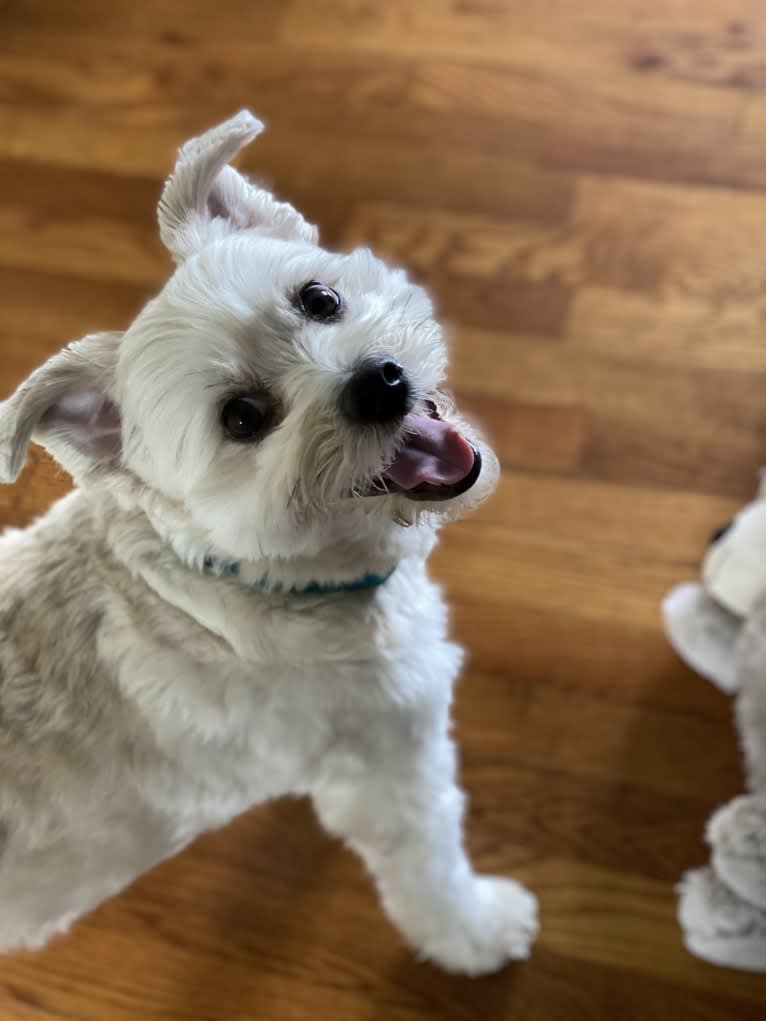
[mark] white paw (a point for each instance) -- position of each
(737, 835)
(501, 928)
(739, 827)
(718, 926)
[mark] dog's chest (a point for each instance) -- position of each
(255, 712)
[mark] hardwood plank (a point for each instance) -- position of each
(711, 442)
(437, 241)
(669, 527)
(671, 84)
(549, 436)
(692, 302)
(598, 923)
(146, 108)
(485, 29)
(100, 227)
(651, 836)
(590, 735)
(622, 120)
(675, 332)
(584, 991)
(172, 21)
(53, 308)
(596, 244)
(695, 244)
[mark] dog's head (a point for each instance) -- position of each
(284, 396)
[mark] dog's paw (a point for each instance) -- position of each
(718, 925)
(737, 836)
(502, 928)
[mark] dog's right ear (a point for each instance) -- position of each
(66, 405)
(204, 199)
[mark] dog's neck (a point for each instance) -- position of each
(345, 566)
(277, 578)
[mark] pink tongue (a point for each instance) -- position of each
(433, 452)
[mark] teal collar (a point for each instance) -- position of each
(232, 569)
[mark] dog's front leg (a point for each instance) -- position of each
(403, 815)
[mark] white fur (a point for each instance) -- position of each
(143, 701)
(734, 570)
(703, 633)
(719, 629)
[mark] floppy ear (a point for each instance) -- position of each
(204, 199)
(66, 406)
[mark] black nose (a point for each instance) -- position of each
(377, 393)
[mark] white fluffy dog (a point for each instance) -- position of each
(233, 604)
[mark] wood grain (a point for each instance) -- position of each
(583, 187)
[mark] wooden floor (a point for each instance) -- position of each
(582, 183)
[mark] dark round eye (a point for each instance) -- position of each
(319, 301)
(244, 418)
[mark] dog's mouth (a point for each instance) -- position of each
(434, 462)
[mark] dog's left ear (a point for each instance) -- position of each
(66, 405)
(204, 199)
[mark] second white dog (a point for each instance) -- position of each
(234, 604)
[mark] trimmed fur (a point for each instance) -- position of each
(143, 701)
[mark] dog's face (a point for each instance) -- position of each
(287, 397)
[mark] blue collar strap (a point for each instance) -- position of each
(231, 569)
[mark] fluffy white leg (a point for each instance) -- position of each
(750, 706)
(737, 836)
(718, 925)
(405, 820)
(703, 634)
